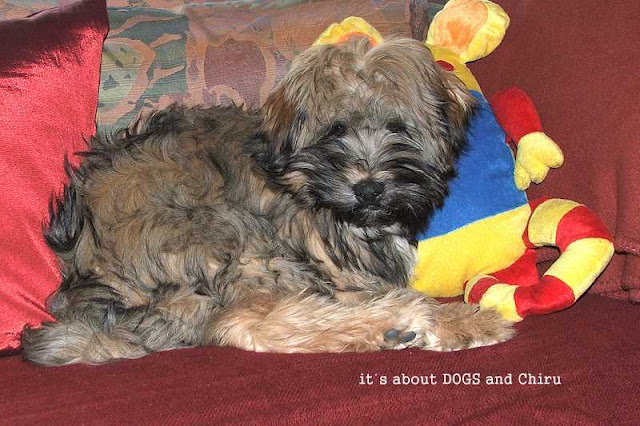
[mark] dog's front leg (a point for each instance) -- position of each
(314, 323)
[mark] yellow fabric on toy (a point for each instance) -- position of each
(536, 154)
(472, 28)
(352, 26)
(545, 220)
(581, 263)
(496, 242)
(459, 68)
(501, 298)
(583, 260)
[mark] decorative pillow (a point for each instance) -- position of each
(218, 53)
(49, 75)
(10, 9)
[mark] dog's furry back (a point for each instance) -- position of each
(162, 214)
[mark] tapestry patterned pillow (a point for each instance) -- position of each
(217, 53)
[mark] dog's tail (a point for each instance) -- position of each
(88, 327)
(81, 334)
(70, 339)
(70, 342)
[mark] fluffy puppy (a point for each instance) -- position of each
(288, 229)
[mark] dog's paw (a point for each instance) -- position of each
(419, 322)
(462, 326)
(399, 339)
(492, 328)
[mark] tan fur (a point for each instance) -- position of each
(219, 226)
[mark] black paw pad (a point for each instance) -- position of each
(392, 334)
(407, 337)
(396, 336)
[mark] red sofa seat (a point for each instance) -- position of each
(592, 347)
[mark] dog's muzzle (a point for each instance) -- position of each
(368, 191)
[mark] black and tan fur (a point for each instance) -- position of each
(215, 226)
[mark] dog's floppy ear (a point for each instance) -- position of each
(280, 119)
(281, 126)
(285, 112)
(460, 109)
(290, 105)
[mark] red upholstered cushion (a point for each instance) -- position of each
(592, 347)
(578, 60)
(49, 75)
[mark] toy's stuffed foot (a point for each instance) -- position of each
(462, 326)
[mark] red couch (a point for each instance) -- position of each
(577, 60)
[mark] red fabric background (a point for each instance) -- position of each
(593, 347)
(49, 75)
(579, 63)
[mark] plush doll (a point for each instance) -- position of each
(481, 242)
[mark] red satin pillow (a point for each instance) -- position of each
(49, 79)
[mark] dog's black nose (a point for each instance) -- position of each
(368, 191)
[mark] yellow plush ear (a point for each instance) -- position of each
(469, 28)
(352, 26)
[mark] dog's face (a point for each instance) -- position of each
(371, 133)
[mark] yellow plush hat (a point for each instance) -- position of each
(352, 26)
(472, 28)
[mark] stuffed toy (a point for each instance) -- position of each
(481, 243)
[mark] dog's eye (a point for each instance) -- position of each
(396, 126)
(337, 130)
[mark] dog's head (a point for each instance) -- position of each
(371, 133)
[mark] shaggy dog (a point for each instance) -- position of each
(289, 229)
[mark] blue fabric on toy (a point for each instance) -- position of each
(485, 173)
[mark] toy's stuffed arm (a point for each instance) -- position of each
(536, 153)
